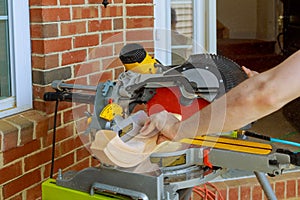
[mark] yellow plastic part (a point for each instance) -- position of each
(230, 144)
(110, 111)
(50, 191)
(144, 67)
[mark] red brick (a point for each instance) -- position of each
(10, 172)
(85, 12)
(10, 135)
(138, 1)
(37, 159)
(233, 193)
(112, 37)
(73, 28)
(280, 189)
(41, 122)
(39, 105)
(18, 197)
(245, 193)
(290, 188)
(140, 11)
(56, 14)
(73, 57)
(36, 15)
(81, 165)
(100, 25)
(139, 22)
(21, 183)
(81, 125)
(26, 128)
(58, 121)
(118, 24)
(118, 71)
(101, 52)
(51, 46)
(86, 41)
(44, 30)
(298, 188)
(34, 193)
(49, 14)
(64, 162)
(20, 151)
(257, 192)
(138, 35)
(95, 162)
(82, 153)
(222, 193)
(43, 2)
(112, 63)
(95, 1)
(64, 132)
(87, 68)
(101, 77)
(67, 146)
(71, 2)
(75, 113)
(112, 11)
(45, 61)
(57, 45)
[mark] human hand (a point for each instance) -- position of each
(164, 124)
(249, 72)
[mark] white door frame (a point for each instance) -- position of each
(205, 28)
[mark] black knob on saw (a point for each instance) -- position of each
(132, 53)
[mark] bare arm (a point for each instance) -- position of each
(253, 99)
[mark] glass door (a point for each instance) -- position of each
(184, 27)
(5, 86)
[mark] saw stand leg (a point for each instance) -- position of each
(266, 186)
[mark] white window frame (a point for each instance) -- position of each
(205, 30)
(20, 59)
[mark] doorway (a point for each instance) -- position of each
(248, 32)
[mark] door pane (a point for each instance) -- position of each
(3, 7)
(5, 86)
(182, 30)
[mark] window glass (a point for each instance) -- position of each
(3, 7)
(5, 86)
(182, 30)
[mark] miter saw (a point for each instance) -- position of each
(183, 90)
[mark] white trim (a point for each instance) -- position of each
(162, 31)
(199, 32)
(212, 26)
(21, 57)
(3, 18)
(7, 103)
(205, 30)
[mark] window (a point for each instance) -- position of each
(15, 56)
(184, 27)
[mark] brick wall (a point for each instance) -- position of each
(77, 41)
(286, 187)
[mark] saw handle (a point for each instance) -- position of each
(69, 97)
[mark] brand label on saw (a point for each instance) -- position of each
(125, 130)
(170, 161)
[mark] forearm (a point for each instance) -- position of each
(251, 100)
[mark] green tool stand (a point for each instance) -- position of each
(51, 191)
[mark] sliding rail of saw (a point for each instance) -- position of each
(206, 158)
